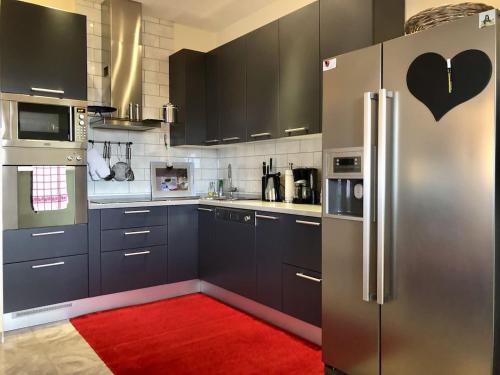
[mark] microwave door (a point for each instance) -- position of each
(45, 122)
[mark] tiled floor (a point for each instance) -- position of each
(55, 348)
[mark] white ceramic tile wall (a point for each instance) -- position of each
(246, 159)
(157, 39)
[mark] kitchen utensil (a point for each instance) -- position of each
(120, 168)
(130, 173)
(107, 157)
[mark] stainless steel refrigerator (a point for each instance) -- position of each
(409, 208)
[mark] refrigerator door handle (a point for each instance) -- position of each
(369, 290)
(384, 159)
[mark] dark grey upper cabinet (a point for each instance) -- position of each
(182, 243)
(232, 80)
(350, 25)
(263, 82)
(42, 48)
(187, 92)
(300, 72)
(212, 135)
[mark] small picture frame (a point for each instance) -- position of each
(171, 180)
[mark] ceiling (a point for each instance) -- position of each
(211, 15)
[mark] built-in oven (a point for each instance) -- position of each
(18, 205)
(36, 121)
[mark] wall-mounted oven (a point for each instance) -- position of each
(36, 121)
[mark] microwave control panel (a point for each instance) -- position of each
(80, 123)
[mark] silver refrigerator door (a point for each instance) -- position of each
(438, 316)
(350, 325)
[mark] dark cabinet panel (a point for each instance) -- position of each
(262, 95)
(350, 25)
(269, 244)
(41, 243)
(303, 248)
(302, 294)
(45, 282)
(213, 93)
(182, 243)
(232, 80)
(133, 217)
(209, 255)
(42, 48)
(133, 269)
(187, 93)
(94, 234)
(300, 72)
(131, 238)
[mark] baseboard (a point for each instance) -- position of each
(67, 310)
(298, 327)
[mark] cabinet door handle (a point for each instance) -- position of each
(48, 265)
(266, 217)
(138, 232)
(313, 223)
(137, 212)
(260, 135)
(295, 130)
(230, 139)
(51, 91)
(205, 209)
(47, 233)
(212, 141)
(300, 274)
(137, 253)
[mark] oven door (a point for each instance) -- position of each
(18, 209)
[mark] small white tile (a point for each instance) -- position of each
(301, 160)
(110, 187)
(265, 148)
(287, 147)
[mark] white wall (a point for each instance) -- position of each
(193, 38)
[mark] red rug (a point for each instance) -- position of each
(194, 334)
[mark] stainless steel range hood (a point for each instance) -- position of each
(122, 65)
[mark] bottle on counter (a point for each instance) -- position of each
(289, 184)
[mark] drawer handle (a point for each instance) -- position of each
(230, 139)
(205, 209)
(266, 217)
(212, 141)
(138, 232)
(137, 253)
(48, 265)
(260, 135)
(300, 274)
(51, 91)
(137, 212)
(295, 130)
(313, 223)
(47, 233)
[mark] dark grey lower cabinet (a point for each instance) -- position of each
(302, 294)
(269, 235)
(235, 247)
(182, 243)
(45, 282)
(303, 247)
(133, 269)
(208, 254)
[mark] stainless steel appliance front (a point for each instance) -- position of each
(411, 288)
(17, 199)
(43, 122)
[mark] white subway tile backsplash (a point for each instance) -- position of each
(286, 147)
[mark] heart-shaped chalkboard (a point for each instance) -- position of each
(427, 79)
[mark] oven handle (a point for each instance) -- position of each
(50, 91)
(30, 168)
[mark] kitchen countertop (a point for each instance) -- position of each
(257, 205)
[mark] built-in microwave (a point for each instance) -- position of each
(36, 121)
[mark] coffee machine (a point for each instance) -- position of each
(306, 186)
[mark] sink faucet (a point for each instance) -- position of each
(230, 188)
